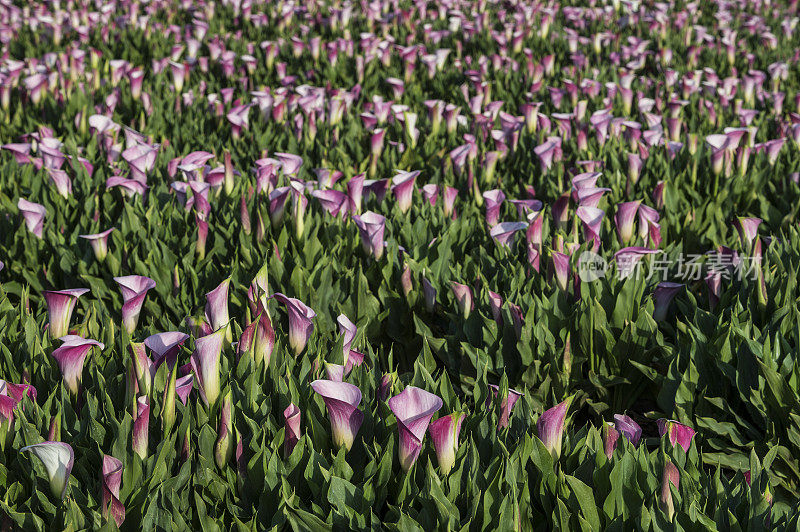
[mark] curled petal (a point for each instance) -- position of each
(111, 479)
(291, 418)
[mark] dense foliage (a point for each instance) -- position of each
(399, 265)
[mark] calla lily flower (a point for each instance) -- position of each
(560, 210)
(165, 346)
(334, 372)
(550, 427)
(503, 232)
(217, 308)
(277, 205)
(134, 288)
(658, 194)
(341, 400)
(206, 366)
(99, 243)
(371, 227)
(18, 392)
(610, 439)
(21, 152)
(258, 290)
(663, 295)
(496, 304)
(506, 406)
(355, 192)
(628, 428)
(444, 433)
(334, 202)
(60, 304)
(70, 357)
(183, 387)
(714, 283)
(130, 187)
(61, 180)
(110, 480)
(348, 331)
(494, 200)
(463, 294)
(748, 231)
(634, 167)
(34, 214)
(386, 385)
(7, 405)
(223, 450)
(290, 163)
(592, 220)
(300, 324)
(403, 188)
(671, 476)
(431, 193)
(561, 269)
(625, 218)
(627, 259)
(413, 408)
(143, 368)
(548, 153)
(141, 427)
(429, 292)
(291, 417)
(58, 459)
(678, 433)
(258, 338)
(450, 194)
(202, 236)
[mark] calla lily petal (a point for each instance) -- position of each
(111, 479)
(413, 408)
(292, 435)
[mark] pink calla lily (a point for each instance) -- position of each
(341, 400)
(413, 408)
(444, 433)
(300, 321)
(70, 357)
(111, 479)
(134, 288)
(60, 304)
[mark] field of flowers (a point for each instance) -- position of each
(399, 265)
